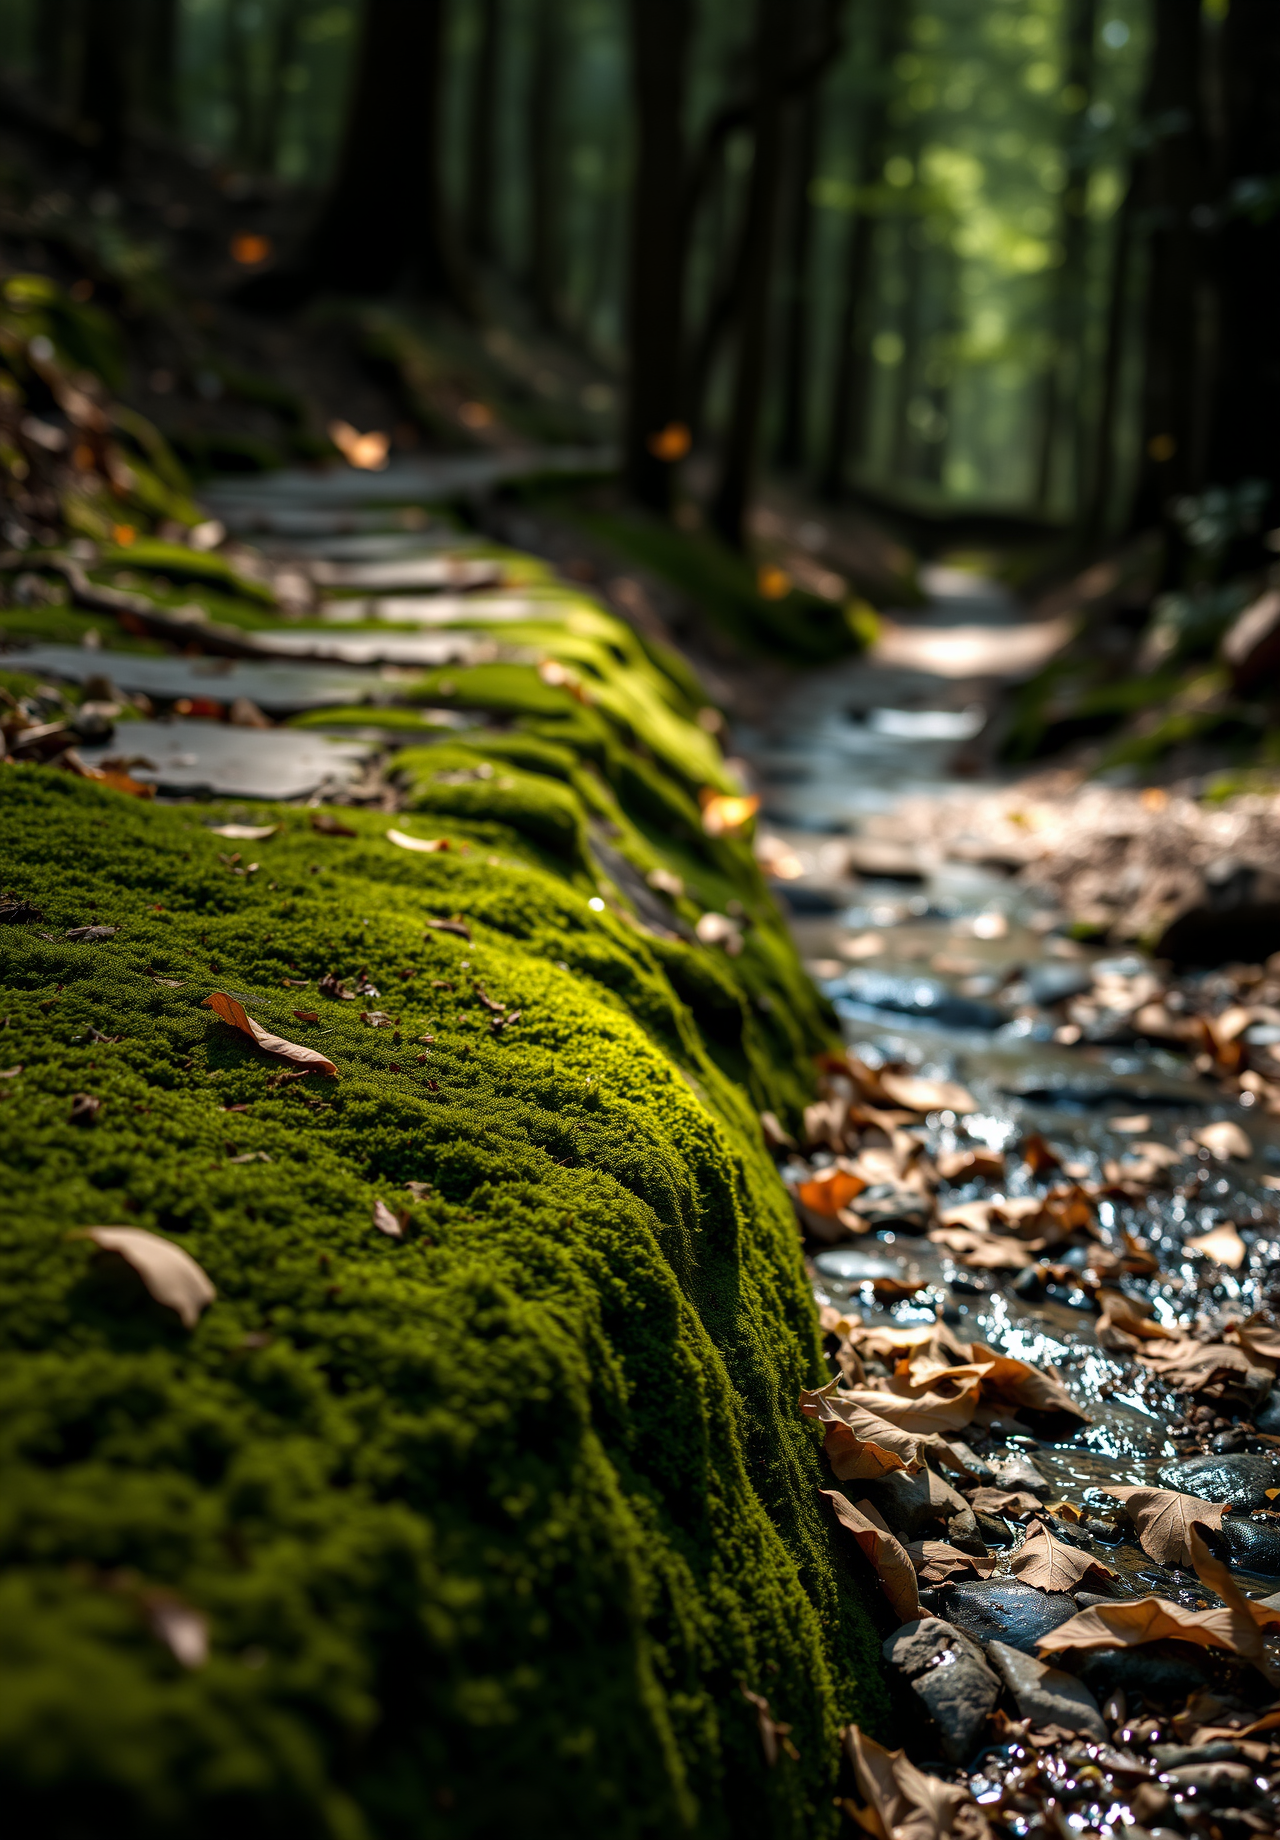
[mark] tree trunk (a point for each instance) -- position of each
(731, 502)
(1118, 313)
(384, 223)
(235, 52)
(660, 32)
(481, 123)
(1245, 433)
(796, 338)
(103, 108)
(544, 84)
(851, 385)
(1174, 191)
(284, 44)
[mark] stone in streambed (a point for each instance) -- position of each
(1241, 1478)
(1001, 1610)
(911, 1504)
(1252, 1545)
(1017, 1471)
(993, 1528)
(946, 1669)
(1046, 1695)
(1163, 1674)
(964, 1533)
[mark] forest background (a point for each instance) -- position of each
(931, 256)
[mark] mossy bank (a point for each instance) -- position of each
(490, 1524)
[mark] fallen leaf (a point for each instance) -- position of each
(901, 1802)
(1126, 1321)
(1131, 1126)
(886, 1554)
(233, 1012)
(921, 1095)
(1163, 1519)
(1260, 1341)
(11, 1073)
(19, 913)
(419, 1190)
(331, 985)
(387, 1222)
(377, 1019)
(942, 1411)
(829, 1191)
(184, 1631)
(985, 1252)
(84, 1109)
(244, 833)
(1154, 1619)
(774, 1135)
(771, 1732)
(1051, 1565)
(964, 1165)
(858, 1444)
(1190, 1366)
(1222, 1244)
(455, 925)
(1013, 1382)
(1038, 1154)
(1011, 1502)
(725, 814)
(937, 1560)
(306, 1015)
(166, 983)
(1223, 1140)
(428, 845)
(329, 826)
(170, 1274)
(92, 932)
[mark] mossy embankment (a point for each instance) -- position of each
(491, 1524)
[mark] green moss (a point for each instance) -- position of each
(490, 1524)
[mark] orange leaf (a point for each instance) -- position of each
(920, 1095)
(829, 1191)
(1051, 1565)
(885, 1552)
(859, 1445)
(233, 1012)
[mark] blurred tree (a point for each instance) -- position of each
(482, 111)
(797, 286)
(655, 432)
(545, 81)
(103, 107)
(383, 224)
(156, 50)
(56, 24)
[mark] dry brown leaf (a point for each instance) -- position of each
(1017, 1383)
(1221, 1244)
(1223, 1140)
(937, 1560)
(1163, 1520)
(1260, 1341)
(984, 1251)
(387, 1222)
(233, 1012)
(1039, 1154)
(900, 1802)
(1131, 1127)
(329, 826)
(921, 1095)
(974, 1216)
(184, 1631)
(773, 1736)
(858, 1444)
(940, 1411)
(1051, 1565)
(455, 924)
(1011, 1502)
(244, 833)
(1245, 1615)
(886, 1554)
(1190, 1366)
(170, 1274)
(1126, 1321)
(1153, 1619)
(964, 1165)
(427, 845)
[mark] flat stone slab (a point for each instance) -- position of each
(439, 609)
(408, 572)
(1047, 1695)
(251, 763)
(278, 688)
(427, 649)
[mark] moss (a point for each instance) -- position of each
(489, 1524)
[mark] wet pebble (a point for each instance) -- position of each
(947, 1670)
(1047, 1695)
(993, 1528)
(911, 1504)
(1240, 1478)
(1162, 1674)
(1001, 1610)
(1017, 1471)
(1252, 1545)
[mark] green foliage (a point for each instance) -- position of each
(490, 1523)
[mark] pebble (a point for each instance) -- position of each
(910, 1504)
(963, 1532)
(1017, 1471)
(1163, 1674)
(1267, 1417)
(1047, 1695)
(1001, 1610)
(993, 1528)
(946, 1669)
(1241, 1478)
(1252, 1545)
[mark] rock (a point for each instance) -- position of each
(1216, 1784)
(977, 1466)
(1240, 1477)
(1002, 1610)
(963, 1532)
(910, 1504)
(1252, 1545)
(946, 1669)
(1267, 1417)
(1227, 1441)
(1173, 1756)
(1163, 1674)
(1047, 1695)
(993, 1528)
(1017, 1471)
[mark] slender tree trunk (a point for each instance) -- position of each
(544, 84)
(741, 441)
(912, 271)
(851, 384)
(660, 33)
(796, 338)
(482, 119)
(1118, 303)
(1245, 435)
(104, 102)
(284, 44)
(384, 223)
(1175, 181)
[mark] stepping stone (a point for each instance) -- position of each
(278, 688)
(1240, 1478)
(1001, 1610)
(253, 763)
(1047, 1695)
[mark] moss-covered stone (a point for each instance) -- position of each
(491, 1524)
